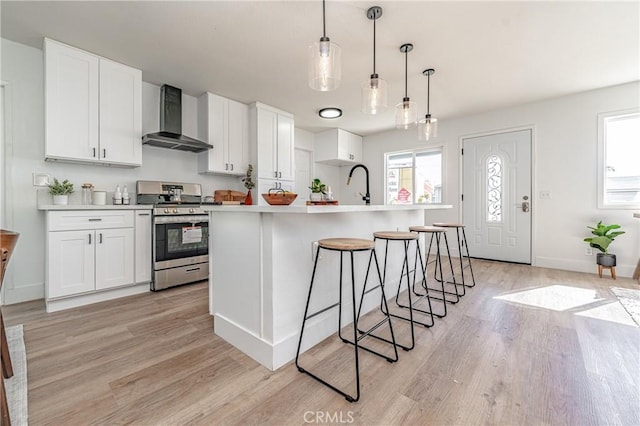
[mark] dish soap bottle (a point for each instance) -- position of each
(117, 196)
(125, 196)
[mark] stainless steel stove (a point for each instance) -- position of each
(180, 232)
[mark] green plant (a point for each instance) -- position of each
(604, 236)
(318, 187)
(58, 188)
(247, 180)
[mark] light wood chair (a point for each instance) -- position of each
(8, 240)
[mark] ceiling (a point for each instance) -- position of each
(487, 55)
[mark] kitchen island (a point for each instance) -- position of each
(260, 263)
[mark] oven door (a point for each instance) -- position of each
(180, 240)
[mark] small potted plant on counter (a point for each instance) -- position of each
(60, 191)
(249, 184)
(604, 236)
(318, 189)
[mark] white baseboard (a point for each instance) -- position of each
(23, 293)
(588, 266)
(55, 305)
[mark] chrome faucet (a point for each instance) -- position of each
(366, 197)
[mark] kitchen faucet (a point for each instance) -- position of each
(366, 197)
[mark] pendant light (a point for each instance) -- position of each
(428, 128)
(406, 111)
(374, 89)
(324, 61)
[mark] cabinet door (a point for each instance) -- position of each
(120, 113)
(285, 149)
(343, 147)
(238, 141)
(114, 257)
(143, 260)
(267, 137)
(71, 103)
(71, 263)
(355, 147)
(213, 128)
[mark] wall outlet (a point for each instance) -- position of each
(41, 179)
(545, 194)
(588, 251)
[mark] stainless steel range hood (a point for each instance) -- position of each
(170, 135)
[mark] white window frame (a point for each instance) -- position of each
(414, 152)
(602, 163)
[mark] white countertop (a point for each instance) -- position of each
(49, 207)
(324, 209)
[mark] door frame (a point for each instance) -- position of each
(534, 184)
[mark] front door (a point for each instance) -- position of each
(497, 196)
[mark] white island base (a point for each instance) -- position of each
(261, 260)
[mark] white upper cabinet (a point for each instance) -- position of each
(338, 147)
(93, 108)
(272, 142)
(223, 123)
(120, 113)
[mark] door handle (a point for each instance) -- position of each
(525, 206)
(100, 238)
(104, 152)
(89, 239)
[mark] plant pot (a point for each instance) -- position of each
(60, 200)
(248, 199)
(316, 196)
(606, 259)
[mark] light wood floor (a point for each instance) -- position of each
(153, 359)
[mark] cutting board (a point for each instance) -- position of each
(222, 195)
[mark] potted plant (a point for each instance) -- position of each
(60, 191)
(604, 236)
(318, 189)
(249, 184)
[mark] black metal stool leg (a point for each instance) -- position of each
(466, 246)
(420, 296)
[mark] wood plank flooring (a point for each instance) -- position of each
(153, 359)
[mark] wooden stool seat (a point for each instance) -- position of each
(428, 229)
(346, 244)
(395, 235)
(449, 225)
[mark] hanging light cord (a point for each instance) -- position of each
(428, 89)
(324, 25)
(374, 45)
(406, 64)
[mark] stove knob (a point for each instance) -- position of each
(175, 210)
(191, 210)
(166, 210)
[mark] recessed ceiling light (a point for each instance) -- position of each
(331, 112)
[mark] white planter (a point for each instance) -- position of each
(60, 199)
(316, 196)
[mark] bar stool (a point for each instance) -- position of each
(350, 245)
(435, 233)
(405, 238)
(8, 240)
(462, 241)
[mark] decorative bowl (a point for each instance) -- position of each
(278, 197)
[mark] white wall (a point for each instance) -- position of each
(22, 68)
(565, 162)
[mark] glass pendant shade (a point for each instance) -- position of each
(428, 128)
(406, 114)
(374, 95)
(324, 65)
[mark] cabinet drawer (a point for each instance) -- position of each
(89, 219)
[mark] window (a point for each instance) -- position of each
(494, 189)
(619, 159)
(414, 177)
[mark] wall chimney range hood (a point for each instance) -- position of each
(170, 135)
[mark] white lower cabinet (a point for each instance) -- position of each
(92, 256)
(143, 247)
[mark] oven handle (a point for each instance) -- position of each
(181, 219)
